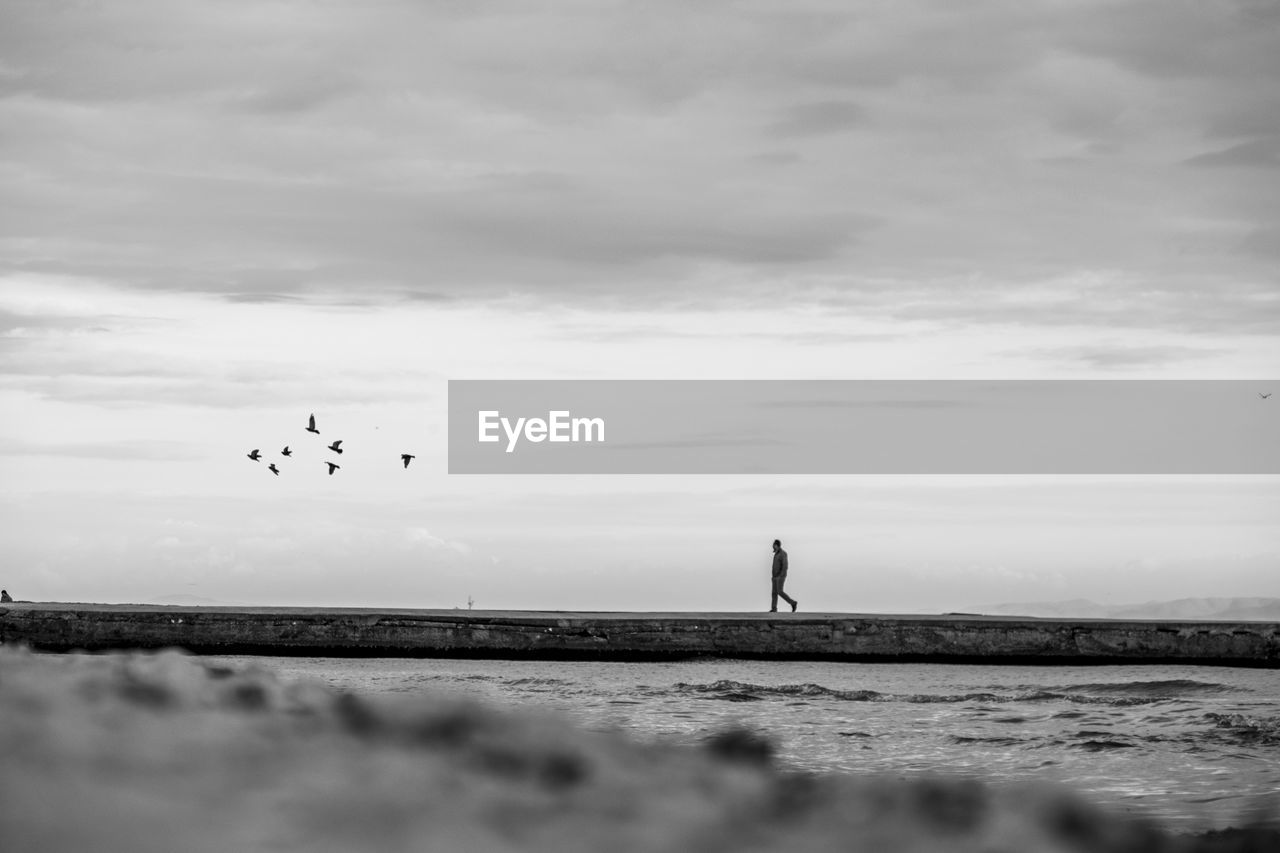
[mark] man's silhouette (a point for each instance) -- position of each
(780, 578)
(4, 596)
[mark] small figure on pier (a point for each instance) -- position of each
(780, 578)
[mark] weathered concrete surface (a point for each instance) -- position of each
(636, 636)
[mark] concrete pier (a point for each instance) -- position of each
(636, 636)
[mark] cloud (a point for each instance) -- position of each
(1225, 40)
(416, 536)
(1089, 299)
(291, 96)
(777, 158)
(705, 440)
(1256, 153)
(14, 324)
(1119, 356)
(179, 349)
(1264, 242)
(818, 118)
(261, 298)
(158, 450)
(862, 404)
(630, 153)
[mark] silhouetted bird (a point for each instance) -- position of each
(1264, 396)
(272, 468)
(311, 425)
(336, 446)
(255, 456)
(406, 457)
(333, 466)
(286, 451)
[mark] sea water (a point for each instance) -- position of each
(1194, 748)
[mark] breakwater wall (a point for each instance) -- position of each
(636, 636)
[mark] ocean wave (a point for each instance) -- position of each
(738, 691)
(537, 682)
(1101, 745)
(1242, 729)
(1121, 695)
(1168, 688)
(989, 741)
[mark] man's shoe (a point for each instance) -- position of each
(773, 610)
(793, 606)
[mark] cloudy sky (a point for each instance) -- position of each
(221, 217)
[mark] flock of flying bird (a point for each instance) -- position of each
(336, 447)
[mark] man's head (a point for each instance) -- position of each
(777, 544)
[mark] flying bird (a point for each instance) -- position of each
(336, 446)
(1264, 396)
(311, 425)
(273, 469)
(255, 456)
(406, 457)
(333, 466)
(286, 451)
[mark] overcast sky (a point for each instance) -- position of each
(220, 217)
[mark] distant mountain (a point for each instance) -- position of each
(1076, 608)
(1224, 609)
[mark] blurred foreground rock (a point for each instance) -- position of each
(163, 752)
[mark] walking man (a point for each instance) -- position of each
(780, 578)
